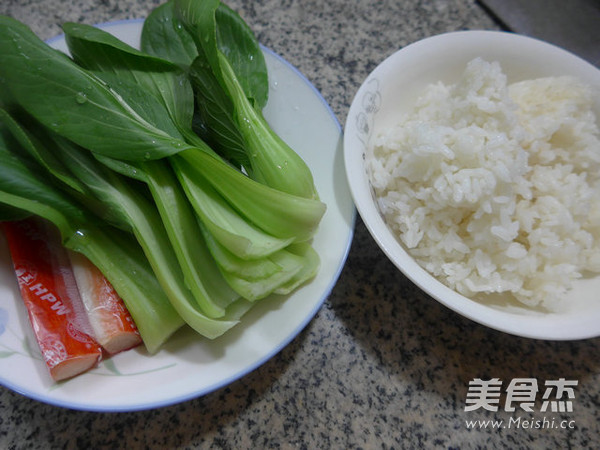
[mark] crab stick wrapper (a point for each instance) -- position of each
(49, 291)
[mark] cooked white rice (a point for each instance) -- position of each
(495, 188)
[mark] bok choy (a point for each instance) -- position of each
(233, 78)
(169, 146)
(115, 253)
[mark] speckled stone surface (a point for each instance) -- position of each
(382, 365)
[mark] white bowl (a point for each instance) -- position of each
(392, 89)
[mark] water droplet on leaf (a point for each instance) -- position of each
(81, 98)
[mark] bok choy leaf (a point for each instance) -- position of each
(73, 102)
(229, 53)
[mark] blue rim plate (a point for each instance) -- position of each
(190, 366)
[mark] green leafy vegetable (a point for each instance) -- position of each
(232, 230)
(72, 101)
(169, 146)
(229, 53)
(164, 36)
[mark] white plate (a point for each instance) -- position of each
(391, 89)
(189, 366)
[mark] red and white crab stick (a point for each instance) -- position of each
(50, 294)
(113, 326)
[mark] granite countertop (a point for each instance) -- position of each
(381, 365)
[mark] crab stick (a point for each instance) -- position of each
(50, 294)
(113, 326)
